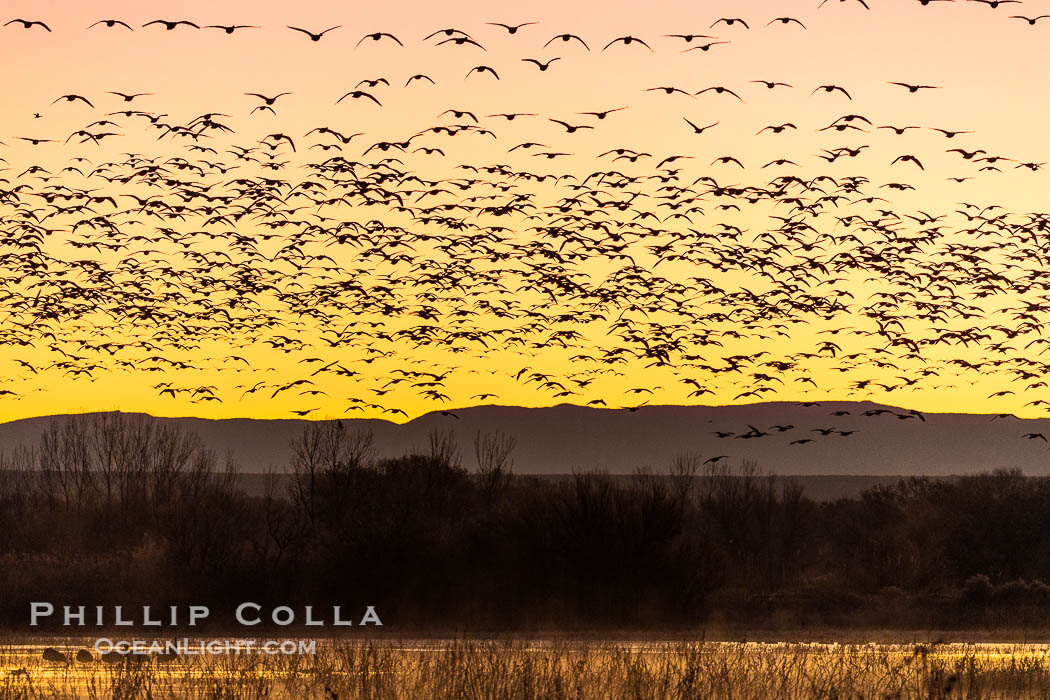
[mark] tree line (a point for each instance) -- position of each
(112, 509)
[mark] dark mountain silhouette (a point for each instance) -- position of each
(564, 438)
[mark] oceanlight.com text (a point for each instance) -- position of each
(204, 647)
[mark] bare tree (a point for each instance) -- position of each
(324, 456)
(444, 449)
(684, 467)
(493, 453)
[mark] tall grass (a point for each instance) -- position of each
(521, 669)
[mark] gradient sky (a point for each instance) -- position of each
(990, 68)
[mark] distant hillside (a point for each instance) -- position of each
(564, 438)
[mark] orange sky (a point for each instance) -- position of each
(989, 69)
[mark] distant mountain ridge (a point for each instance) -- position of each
(564, 438)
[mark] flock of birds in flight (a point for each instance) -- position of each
(366, 271)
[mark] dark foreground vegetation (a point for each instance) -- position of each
(119, 510)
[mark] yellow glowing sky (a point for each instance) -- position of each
(990, 69)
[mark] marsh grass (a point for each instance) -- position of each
(513, 669)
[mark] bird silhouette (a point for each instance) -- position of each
(542, 65)
(830, 89)
(231, 28)
(688, 38)
(480, 70)
(171, 25)
(129, 97)
(720, 90)
(314, 36)
(111, 23)
(627, 41)
(511, 28)
(729, 22)
(604, 113)
(565, 38)
(705, 47)
(1030, 20)
(915, 88)
(74, 98)
(268, 101)
(359, 94)
(376, 36)
(785, 20)
(28, 24)
(906, 159)
(699, 129)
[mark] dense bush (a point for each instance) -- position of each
(119, 509)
